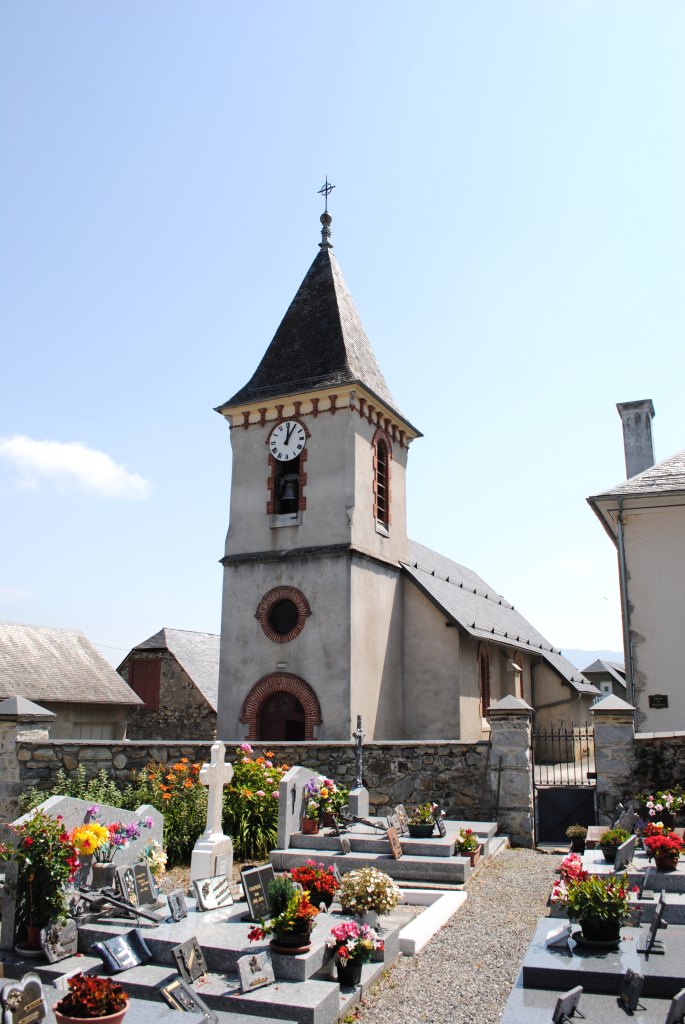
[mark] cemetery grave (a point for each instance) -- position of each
(194, 953)
(642, 973)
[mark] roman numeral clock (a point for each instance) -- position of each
(287, 440)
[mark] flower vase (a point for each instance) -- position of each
(310, 826)
(424, 830)
(33, 937)
(328, 819)
(609, 853)
(370, 917)
(669, 862)
(103, 874)
(111, 1018)
(319, 896)
(474, 856)
(596, 930)
(667, 818)
(349, 974)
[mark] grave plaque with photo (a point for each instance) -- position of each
(181, 996)
(23, 1002)
(177, 905)
(256, 887)
(567, 1004)
(190, 960)
(395, 844)
(256, 971)
(630, 990)
(59, 940)
(401, 813)
(212, 893)
(676, 1011)
(123, 951)
(651, 944)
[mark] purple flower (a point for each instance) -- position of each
(93, 810)
(148, 822)
(132, 830)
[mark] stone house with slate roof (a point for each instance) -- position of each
(329, 611)
(645, 518)
(608, 676)
(62, 671)
(175, 675)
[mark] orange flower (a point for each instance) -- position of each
(285, 768)
(269, 753)
(260, 760)
(166, 796)
(196, 766)
(188, 784)
(169, 777)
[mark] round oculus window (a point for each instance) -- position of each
(282, 613)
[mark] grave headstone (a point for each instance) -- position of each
(625, 854)
(676, 1010)
(628, 820)
(23, 1002)
(190, 960)
(178, 908)
(75, 812)
(255, 971)
(290, 802)
(123, 951)
(256, 887)
(59, 941)
(213, 852)
(213, 893)
(358, 802)
(567, 1004)
(180, 996)
(630, 990)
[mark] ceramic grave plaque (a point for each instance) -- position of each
(646, 883)
(625, 854)
(395, 844)
(558, 936)
(403, 818)
(181, 996)
(567, 1004)
(190, 960)
(439, 819)
(123, 951)
(177, 905)
(145, 885)
(23, 1002)
(256, 886)
(651, 943)
(59, 941)
(394, 822)
(676, 1010)
(212, 893)
(630, 990)
(255, 971)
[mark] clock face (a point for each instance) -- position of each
(287, 440)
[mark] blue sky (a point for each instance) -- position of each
(510, 219)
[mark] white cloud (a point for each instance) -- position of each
(71, 462)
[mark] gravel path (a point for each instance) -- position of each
(466, 972)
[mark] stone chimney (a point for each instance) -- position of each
(637, 435)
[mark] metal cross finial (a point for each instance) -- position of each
(358, 737)
(325, 191)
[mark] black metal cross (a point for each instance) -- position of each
(358, 737)
(325, 191)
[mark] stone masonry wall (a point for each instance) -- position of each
(454, 774)
(183, 711)
(659, 762)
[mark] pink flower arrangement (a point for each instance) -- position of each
(354, 942)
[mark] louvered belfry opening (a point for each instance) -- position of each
(381, 466)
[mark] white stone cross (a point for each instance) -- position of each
(215, 774)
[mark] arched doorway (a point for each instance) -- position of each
(281, 702)
(281, 718)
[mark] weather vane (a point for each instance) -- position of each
(325, 191)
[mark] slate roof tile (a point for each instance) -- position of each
(196, 653)
(663, 478)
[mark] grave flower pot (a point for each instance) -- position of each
(666, 818)
(310, 826)
(112, 1018)
(319, 896)
(609, 853)
(291, 943)
(597, 930)
(33, 936)
(349, 974)
(474, 856)
(424, 830)
(668, 862)
(328, 819)
(103, 874)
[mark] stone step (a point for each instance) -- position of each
(370, 842)
(670, 881)
(674, 909)
(535, 1006)
(454, 870)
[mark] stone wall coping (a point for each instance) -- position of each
(612, 705)
(509, 705)
(271, 744)
(646, 736)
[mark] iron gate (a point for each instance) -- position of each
(564, 780)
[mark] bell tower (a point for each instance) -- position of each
(311, 631)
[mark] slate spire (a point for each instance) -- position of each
(320, 342)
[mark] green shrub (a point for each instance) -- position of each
(250, 804)
(177, 792)
(99, 790)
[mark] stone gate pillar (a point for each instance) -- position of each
(511, 768)
(614, 727)
(20, 719)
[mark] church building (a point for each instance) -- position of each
(329, 611)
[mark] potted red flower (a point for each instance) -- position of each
(319, 881)
(292, 918)
(665, 849)
(467, 845)
(91, 998)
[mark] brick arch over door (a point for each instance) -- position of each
(280, 682)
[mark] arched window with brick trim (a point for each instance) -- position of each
(382, 460)
(484, 680)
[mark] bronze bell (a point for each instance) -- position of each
(289, 490)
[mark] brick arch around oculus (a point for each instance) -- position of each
(280, 682)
